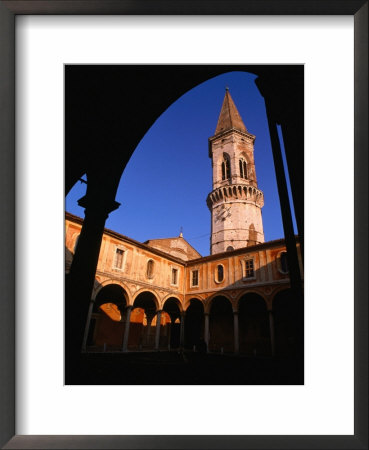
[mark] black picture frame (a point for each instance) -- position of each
(8, 11)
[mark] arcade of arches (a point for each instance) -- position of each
(161, 296)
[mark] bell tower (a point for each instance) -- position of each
(235, 201)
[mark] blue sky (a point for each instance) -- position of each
(165, 184)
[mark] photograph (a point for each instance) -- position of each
(184, 224)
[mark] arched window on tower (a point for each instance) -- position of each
(226, 167)
(243, 168)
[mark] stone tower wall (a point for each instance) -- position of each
(241, 227)
(235, 202)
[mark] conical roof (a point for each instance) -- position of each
(229, 116)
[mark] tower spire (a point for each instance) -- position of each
(229, 116)
(235, 201)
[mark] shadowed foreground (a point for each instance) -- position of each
(170, 368)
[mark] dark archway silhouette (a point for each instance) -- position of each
(142, 330)
(194, 325)
(165, 330)
(172, 307)
(286, 323)
(253, 322)
(221, 337)
(106, 327)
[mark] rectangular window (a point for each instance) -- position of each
(195, 278)
(118, 258)
(249, 268)
(174, 276)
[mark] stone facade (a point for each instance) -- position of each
(178, 247)
(142, 281)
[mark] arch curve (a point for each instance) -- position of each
(147, 290)
(107, 282)
(210, 300)
(176, 297)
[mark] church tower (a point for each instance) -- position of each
(235, 201)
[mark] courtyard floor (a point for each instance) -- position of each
(182, 368)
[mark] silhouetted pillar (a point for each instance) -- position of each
(292, 257)
(126, 329)
(284, 97)
(271, 327)
(181, 330)
(148, 331)
(157, 331)
(87, 327)
(80, 280)
(236, 334)
(206, 331)
(169, 329)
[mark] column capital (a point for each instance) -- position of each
(149, 318)
(235, 312)
(158, 311)
(95, 207)
(129, 307)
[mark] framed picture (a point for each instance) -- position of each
(166, 297)
(38, 339)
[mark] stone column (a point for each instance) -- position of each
(87, 328)
(286, 100)
(235, 329)
(181, 331)
(206, 331)
(80, 280)
(126, 329)
(149, 320)
(169, 329)
(271, 328)
(157, 331)
(274, 118)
